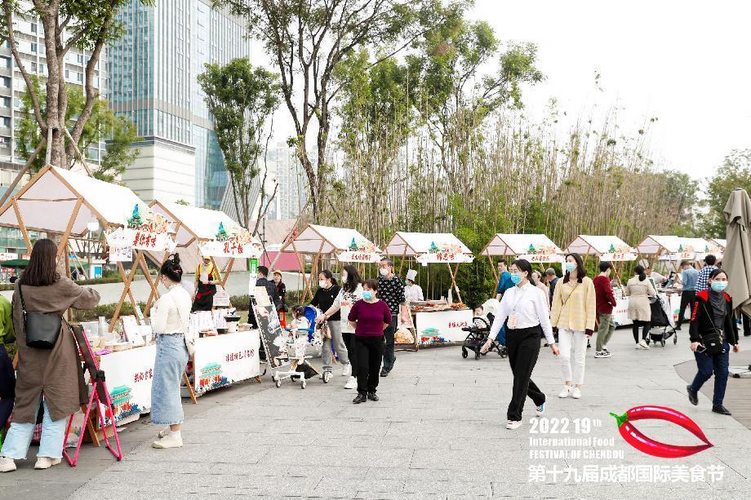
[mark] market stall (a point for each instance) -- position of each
(345, 245)
(435, 321)
(535, 248)
(223, 354)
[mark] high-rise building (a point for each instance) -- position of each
(154, 68)
(292, 193)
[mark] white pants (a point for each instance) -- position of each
(578, 340)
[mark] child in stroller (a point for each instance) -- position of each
(304, 340)
(478, 331)
(661, 325)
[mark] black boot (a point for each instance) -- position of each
(361, 398)
(372, 396)
(721, 410)
(693, 396)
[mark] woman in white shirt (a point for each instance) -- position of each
(413, 291)
(526, 308)
(350, 293)
(169, 320)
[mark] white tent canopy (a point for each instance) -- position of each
(533, 247)
(607, 248)
(47, 203)
(193, 227)
(325, 240)
(722, 243)
(404, 244)
(673, 247)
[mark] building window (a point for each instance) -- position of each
(6, 101)
(4, 141)
(6, 121)
(67, 74)
(5, 82)
(79, 59)
(79, 76)
(6, 62)
(33, 47)
(33, 27)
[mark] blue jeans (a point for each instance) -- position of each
(19, 436)
(717, 363)
(171, 358)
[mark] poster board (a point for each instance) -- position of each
(129, 376)
(272, 334)
(223, 360)
(442, 326)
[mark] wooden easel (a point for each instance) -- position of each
(138, 262)
(453, 274)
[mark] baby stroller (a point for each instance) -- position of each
(661, 324)
(300, 348)
(477, 335)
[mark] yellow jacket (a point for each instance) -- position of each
(574, 305)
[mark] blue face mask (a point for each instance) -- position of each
(719, 286)
(570, 266)
(516, 278)
(367, 295)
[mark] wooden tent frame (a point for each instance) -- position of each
(593, 251)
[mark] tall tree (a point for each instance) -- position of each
(119, 132)
(65, 24)
(241, 98)
(735, 172)
(307, 40)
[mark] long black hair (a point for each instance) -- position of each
(581, 271)
(42, 268)
(353, 279)
(524, 266)
(639, 271)
(172, 269)
(329, 276)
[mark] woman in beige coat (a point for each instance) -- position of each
(639, 289)
(53, 373)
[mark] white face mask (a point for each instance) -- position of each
(322, 284)
(384, 271)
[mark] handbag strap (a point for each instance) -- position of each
(717, 330)
(20, 294)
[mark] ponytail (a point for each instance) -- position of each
(639, 270)
(172, 269)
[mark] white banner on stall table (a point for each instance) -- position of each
(357, 256)
(129, 375)
(141, 240)
(225, 359)
(442, 326)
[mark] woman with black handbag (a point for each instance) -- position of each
(713, 331)
(48, 370)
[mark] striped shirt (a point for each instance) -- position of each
(574, 305)
(702, 282)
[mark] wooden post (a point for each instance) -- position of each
(401, 264)
(453, 280)
(154, 294)
(494, 270)
(126, 289)
(191, 391)
(64, 241)
(227, 272)
(21, 225)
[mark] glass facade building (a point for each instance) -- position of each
(153, 80)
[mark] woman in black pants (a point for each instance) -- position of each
(639, 290)
(525, 306)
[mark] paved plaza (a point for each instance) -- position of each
(438, 432)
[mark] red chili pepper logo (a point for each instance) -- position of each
(635, 438)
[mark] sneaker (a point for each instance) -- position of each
(172, 440)
(164, 432)
(605, 348)
(540, 410)
(361, 398)
(576, 393)
(7, 464)
(721, 410)
(589, 345)
(46, 462)
(565, 392)
(384, 373)
(373, 396)
(513, 424)
(602, 354)
(643, 345)
(347, 370)
(351, 383)
(693, 396)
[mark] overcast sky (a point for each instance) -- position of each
(688, 63)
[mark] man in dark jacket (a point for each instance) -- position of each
(270, 286)
(713, 313)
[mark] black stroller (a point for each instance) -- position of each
(477, 335)
(661, 327)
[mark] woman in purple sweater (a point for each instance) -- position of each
(369, 317)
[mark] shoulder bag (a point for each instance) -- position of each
(42, 329)
(714, 342)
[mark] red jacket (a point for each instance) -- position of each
(604, 295)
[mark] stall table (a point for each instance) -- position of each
(440, 326)
(223, 360)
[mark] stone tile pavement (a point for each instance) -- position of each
(438, 432)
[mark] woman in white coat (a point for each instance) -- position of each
(639, 289)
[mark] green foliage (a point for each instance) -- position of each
(735, 172)
(240, 98)
(119, 131)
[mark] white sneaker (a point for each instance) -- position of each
(565, 392)
(46, 462)
(164, 432)
(576, 393)
(351, 383)
(643, 344)
(7, 464)
(172, 440)
(605, 348)
(540, 410)
(513, 425)
(347, 370)
(602, 354)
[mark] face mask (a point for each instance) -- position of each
(570, 266)
(516, 278)
(322, 284)
(384, 271)
(344, 277)
(366, 295)
(719, 286)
